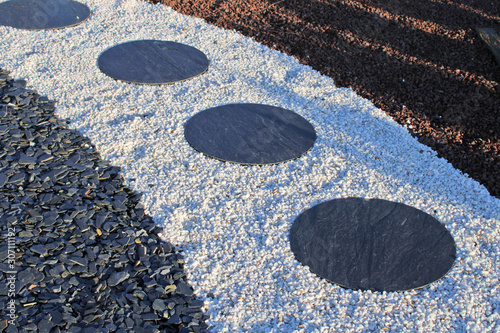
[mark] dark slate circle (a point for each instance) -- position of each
(250, 133)
(152, 62)
(372, 244)
(42, 14)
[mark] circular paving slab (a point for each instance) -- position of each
(42, 14)
(152, 62)
(372, 244)
(250, 133)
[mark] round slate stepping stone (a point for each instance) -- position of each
(372, 244)
(42, 14)
(152, 62)
(250, 134)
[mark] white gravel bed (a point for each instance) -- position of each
(232, 221)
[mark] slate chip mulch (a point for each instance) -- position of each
(88, 259)
(422, 62)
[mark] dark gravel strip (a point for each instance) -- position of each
(87, 257)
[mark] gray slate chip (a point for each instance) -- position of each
(159, 305)
(119, 206)
(19, 83)
(79, 261)
(45, 158)
(45, 325)
(3, 179)
(117, 277)
(26, 160)
(184, 290)
(57, 270)
(17, 179)
(149, 316)
(16, 91)
(50, 218)
(196, 304)
(40, 249)
(175, 319)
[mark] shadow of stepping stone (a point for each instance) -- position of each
(42, 15)
(372, 244)
(250, 134)
(152, 62)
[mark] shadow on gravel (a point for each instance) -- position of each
(421, 62)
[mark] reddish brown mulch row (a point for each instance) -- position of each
(422, 62)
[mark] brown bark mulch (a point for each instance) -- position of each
(422, 62)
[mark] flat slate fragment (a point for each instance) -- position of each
(3, 179)
(79, 261)
(41, 15)
(250, 133)
(152, 62)
(117, 277)
(175, 319)
(372, 244)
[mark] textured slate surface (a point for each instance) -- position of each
(152, 62)
(372, 244)
(40, 15)
(250, 133)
